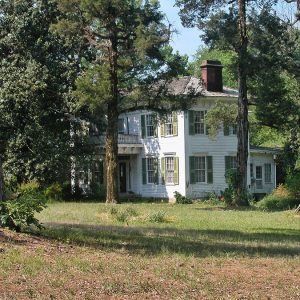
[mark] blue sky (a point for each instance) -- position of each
(187, 40)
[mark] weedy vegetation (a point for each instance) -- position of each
(159, 250)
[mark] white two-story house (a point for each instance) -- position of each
(157, 158)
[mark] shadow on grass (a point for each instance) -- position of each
(201, 243)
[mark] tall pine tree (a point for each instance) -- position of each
(197, 12)
(131, 67)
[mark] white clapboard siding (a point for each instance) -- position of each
(183, 146)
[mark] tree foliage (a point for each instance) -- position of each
(205, 15)
(272, 66)
(221, 114)
(131, 67)
(36, 78)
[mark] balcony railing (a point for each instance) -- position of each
(123, 139)
(128, 139)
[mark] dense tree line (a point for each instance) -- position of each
(262, 60)
(66, 61)
(63, 61)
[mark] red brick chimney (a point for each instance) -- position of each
(212, 75)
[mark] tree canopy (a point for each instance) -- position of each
(131, 67)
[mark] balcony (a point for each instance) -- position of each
(127, 143)
(125, 139)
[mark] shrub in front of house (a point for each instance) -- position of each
(19, 210)
(54, 192)
(293, 185)
(279, 199)
(229, 194)
(158, 217)
(182, 199)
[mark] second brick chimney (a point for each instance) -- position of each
(212, 75)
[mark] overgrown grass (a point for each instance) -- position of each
(201, 250)
(198, 229)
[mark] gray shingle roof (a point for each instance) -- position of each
(190, 84)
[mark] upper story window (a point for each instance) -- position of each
(230, 130)
(197, 122)
(169, 125)
(121, 126)
(148, 125)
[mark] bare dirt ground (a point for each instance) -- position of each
(36, 268)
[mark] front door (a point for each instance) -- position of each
(122, 177)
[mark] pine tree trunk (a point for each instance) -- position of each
(2, 190)
(112, 194)
(243, 124)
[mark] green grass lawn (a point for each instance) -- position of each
(155, 251)
(198, 229)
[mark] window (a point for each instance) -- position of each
(230, 130)
(121, 125)
(170, 170)
(259, 182)
(230, 163)
(233, 130)
(268, 173)
(150, 170)
(97, 172)
(251, 171)
(168, 125)
(197, 122)
(148, 125)
(201, 169)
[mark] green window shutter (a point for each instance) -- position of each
(155, 170)
(175, 123)
(144, 170)
(210, 175)
(162, 127)
(176, 170)
(143, 125)
(227, 163)
(226, 130)
(163, 171)
(192, 169)
(191, 122)
(155, 124)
